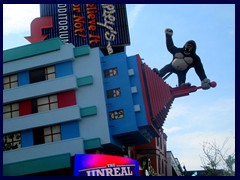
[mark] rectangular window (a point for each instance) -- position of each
(37, 75)
(47, 134)
(160, 142)
(118, 114)
(10, 111)
(112, 93)
(52, 134)
(42, 74)
(50, 72)
(34, 106)
(10, 81)
(46, 103)
(159, 165)
(110, 72)
(38, 136)
(11, 141)
(157, 139)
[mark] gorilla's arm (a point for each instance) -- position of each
(170, 45)
(199, 68)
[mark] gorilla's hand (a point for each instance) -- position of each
(206, 83)
(169, 31)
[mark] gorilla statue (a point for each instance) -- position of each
(183, 59)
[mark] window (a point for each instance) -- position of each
(165, 149)
(46, 134)
(163, 168)
(44, 104)
(38, 136)
(50, 72)
(10, 111)
(11, 141)
(160, 142)
(10, 81)
(160, 167)
(42, 74)
(110, 72)
(112, 93)
(118, 114)
(37, 75)
(52, 134)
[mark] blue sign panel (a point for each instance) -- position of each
(96, 25)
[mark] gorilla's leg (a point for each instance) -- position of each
(166, 69)
(181, 78)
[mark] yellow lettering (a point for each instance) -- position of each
(94, 41)
(76, 7)
(79, 30)
(91, 16)
(90, 5)
(78, 18)
(92, 28)
(94, 36)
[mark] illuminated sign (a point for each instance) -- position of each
(96, 25)
(104, 165)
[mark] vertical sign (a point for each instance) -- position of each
(96, 25)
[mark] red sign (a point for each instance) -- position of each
(36, 28)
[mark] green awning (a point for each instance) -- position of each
(37, 165)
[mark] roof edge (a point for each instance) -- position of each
(32, 49)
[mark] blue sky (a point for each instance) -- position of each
(206, 115)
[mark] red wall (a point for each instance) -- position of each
(67, 98)
(25, 108)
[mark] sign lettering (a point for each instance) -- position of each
(63, 22)
(109, 19)
(104, 165)
(114, 171)
(96, 25)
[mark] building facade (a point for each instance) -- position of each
(60, 100)
(48, 93)
(174, 167)
(152, 156)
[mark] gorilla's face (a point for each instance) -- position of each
(188, 48)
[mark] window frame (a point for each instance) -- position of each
(53, 134)
(40, 134)
(12, 111)
(11, 83)
(48, 74)
(50, 104)
(111, 72)
(42, 74)
(116, 114)
(113, 93)
(10, 144)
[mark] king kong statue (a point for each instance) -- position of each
(183, 59)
